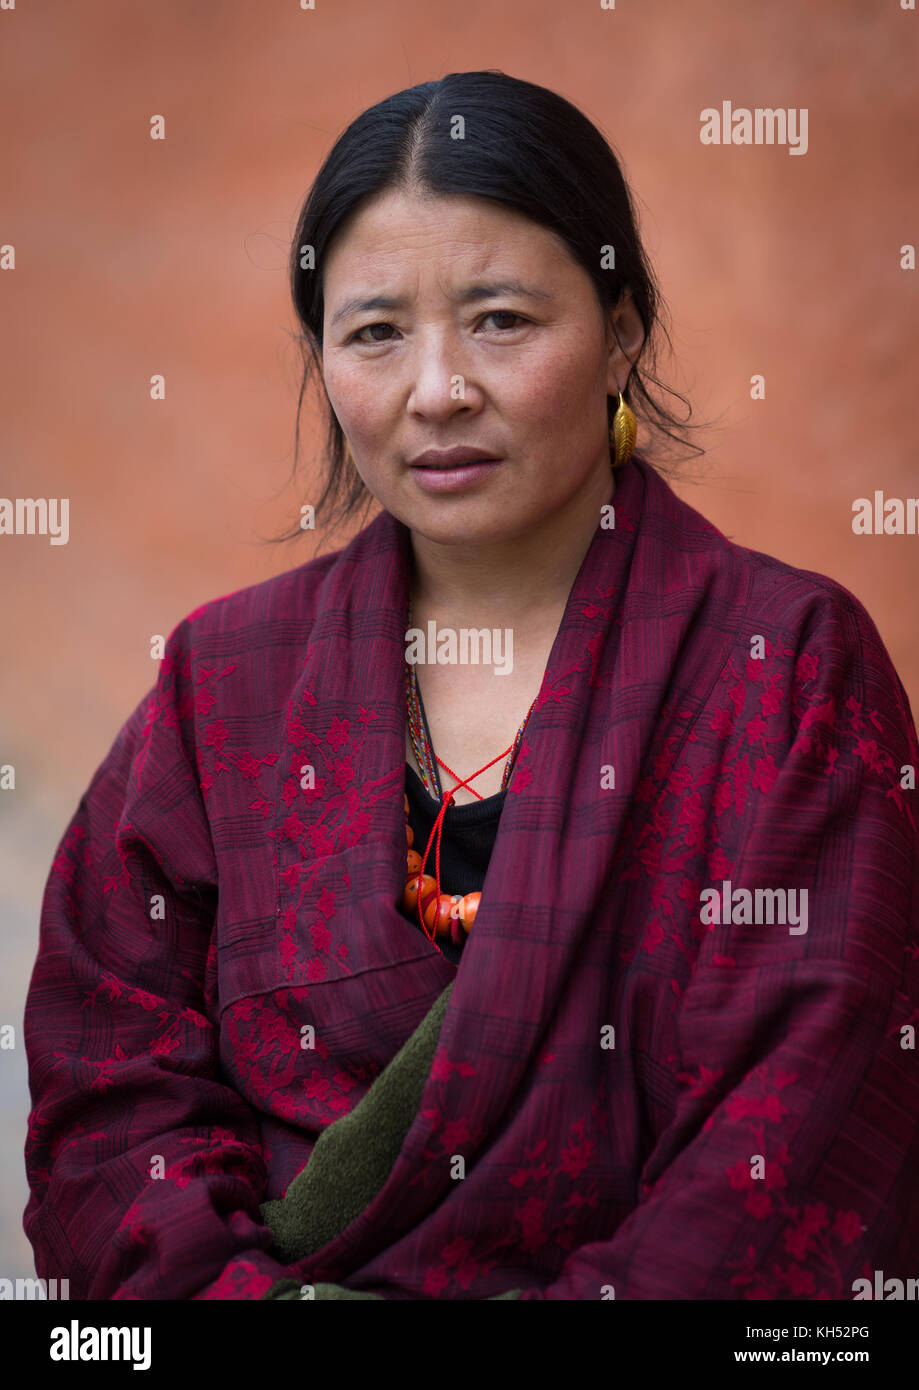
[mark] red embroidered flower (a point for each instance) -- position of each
(759, 1205)
(317, 1087)
(216, 734)
(435, 1281)
(576, 1157)
(320, 936)
(337, 734)
(765, 773)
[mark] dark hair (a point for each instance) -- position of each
(525, 147)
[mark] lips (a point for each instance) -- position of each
(452, 458)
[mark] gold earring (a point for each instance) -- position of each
(625, 432)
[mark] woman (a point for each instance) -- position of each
(643, 1030)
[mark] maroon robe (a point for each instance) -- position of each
(648, 1103)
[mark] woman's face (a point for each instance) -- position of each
(493, 338)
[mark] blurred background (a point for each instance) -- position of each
(136, 256)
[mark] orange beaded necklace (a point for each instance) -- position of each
(445, 915)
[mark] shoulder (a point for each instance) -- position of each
(816, 637)
(234, 661)
(804, 601)
(816, 619)
(759, 589)
(783, 639)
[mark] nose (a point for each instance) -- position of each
(439, 375)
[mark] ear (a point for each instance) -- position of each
(623, 323)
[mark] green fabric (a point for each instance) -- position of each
(351, 1160)
(353, 1157)
(287, 1289)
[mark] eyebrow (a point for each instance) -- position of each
(496, 290)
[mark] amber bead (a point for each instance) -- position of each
(450, 915)
(468, 909)
(423, 885)
(438, 913)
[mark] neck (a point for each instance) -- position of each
(510, 577)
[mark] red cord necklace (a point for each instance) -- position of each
(447, 915)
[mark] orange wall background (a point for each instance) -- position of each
(135, 257)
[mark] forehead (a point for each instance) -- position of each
(397, 230)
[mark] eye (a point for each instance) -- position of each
(356, 336)
(505, 314)
(492, 314)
